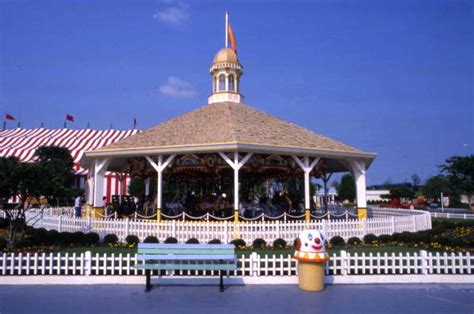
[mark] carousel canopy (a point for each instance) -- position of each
(229, 127)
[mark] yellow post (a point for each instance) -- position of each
(236, 221)
(158, 215)
(307, 215)
(98, 212)
(362, 213)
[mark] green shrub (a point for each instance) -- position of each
(38, 236)
(422, 236)
(4, 223)
(385, 238)
(370, 238)
(238, 243)
(3, 244)
(259, 243)
(151, 239)
(52, 237)
(65, 238)
(192, 241)
(354, 241)
(132, 239)
(279, 243)
(215, 241)
(26, 242)
(110, 239)
(396, 237)
(406, 237)
(78, 238)
(171, 240)
(91, 239)
(337, 241)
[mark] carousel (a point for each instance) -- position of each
(227, 160)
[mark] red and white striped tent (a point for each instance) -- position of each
(22, 143)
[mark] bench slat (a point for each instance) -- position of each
(185, 251)
(226, 257)
(185, 246)
(187, 266)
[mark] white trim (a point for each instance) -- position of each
(230, 147)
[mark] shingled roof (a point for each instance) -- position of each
(228, 123)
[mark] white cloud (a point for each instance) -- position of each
(175, 87)
(175, 14)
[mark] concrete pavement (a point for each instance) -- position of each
(413, 298)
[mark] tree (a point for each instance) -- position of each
(56, 167)
(346, 189)
(416, 181)
(49, 175)
(459, 171)
(136, 187)
(436, 185)
(398, 192)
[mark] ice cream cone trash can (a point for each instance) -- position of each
(311, 255)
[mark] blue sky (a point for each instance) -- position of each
(392, 77)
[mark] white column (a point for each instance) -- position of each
(307, 168)
(236, 165)
(227, 83)
(358, 172)
(159, 167)
(147, 186)
(89, 187)
(100, 167)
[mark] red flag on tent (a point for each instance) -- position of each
(9, 117)
(69, 118)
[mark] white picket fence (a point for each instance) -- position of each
(452, 215)
(384, 222)
(87, 264)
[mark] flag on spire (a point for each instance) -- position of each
(233, 42)
(69, 118)
(9, 117)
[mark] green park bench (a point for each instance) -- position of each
(202, 257)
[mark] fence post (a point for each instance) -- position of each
(127, 226)
(365, 227)
(324, 227)
(226, 228)
(413, 218)
(278, 229)
(174, 229)
(424, 262)
(344, 269)
(89, 223)
(254, 264)
(60, 224)
(88, 263)
(393, 224)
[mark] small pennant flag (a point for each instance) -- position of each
(69, 118)
(9, 117)
(233, 41)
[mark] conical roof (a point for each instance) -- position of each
(229, 125)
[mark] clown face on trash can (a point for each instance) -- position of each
(311, 247)
(311, 255)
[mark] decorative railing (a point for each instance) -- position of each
(383, 223)
(342, 264)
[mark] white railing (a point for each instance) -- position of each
(248, 231)
(452, 215)
(422, 263)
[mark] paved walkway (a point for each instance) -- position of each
(259, 299)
